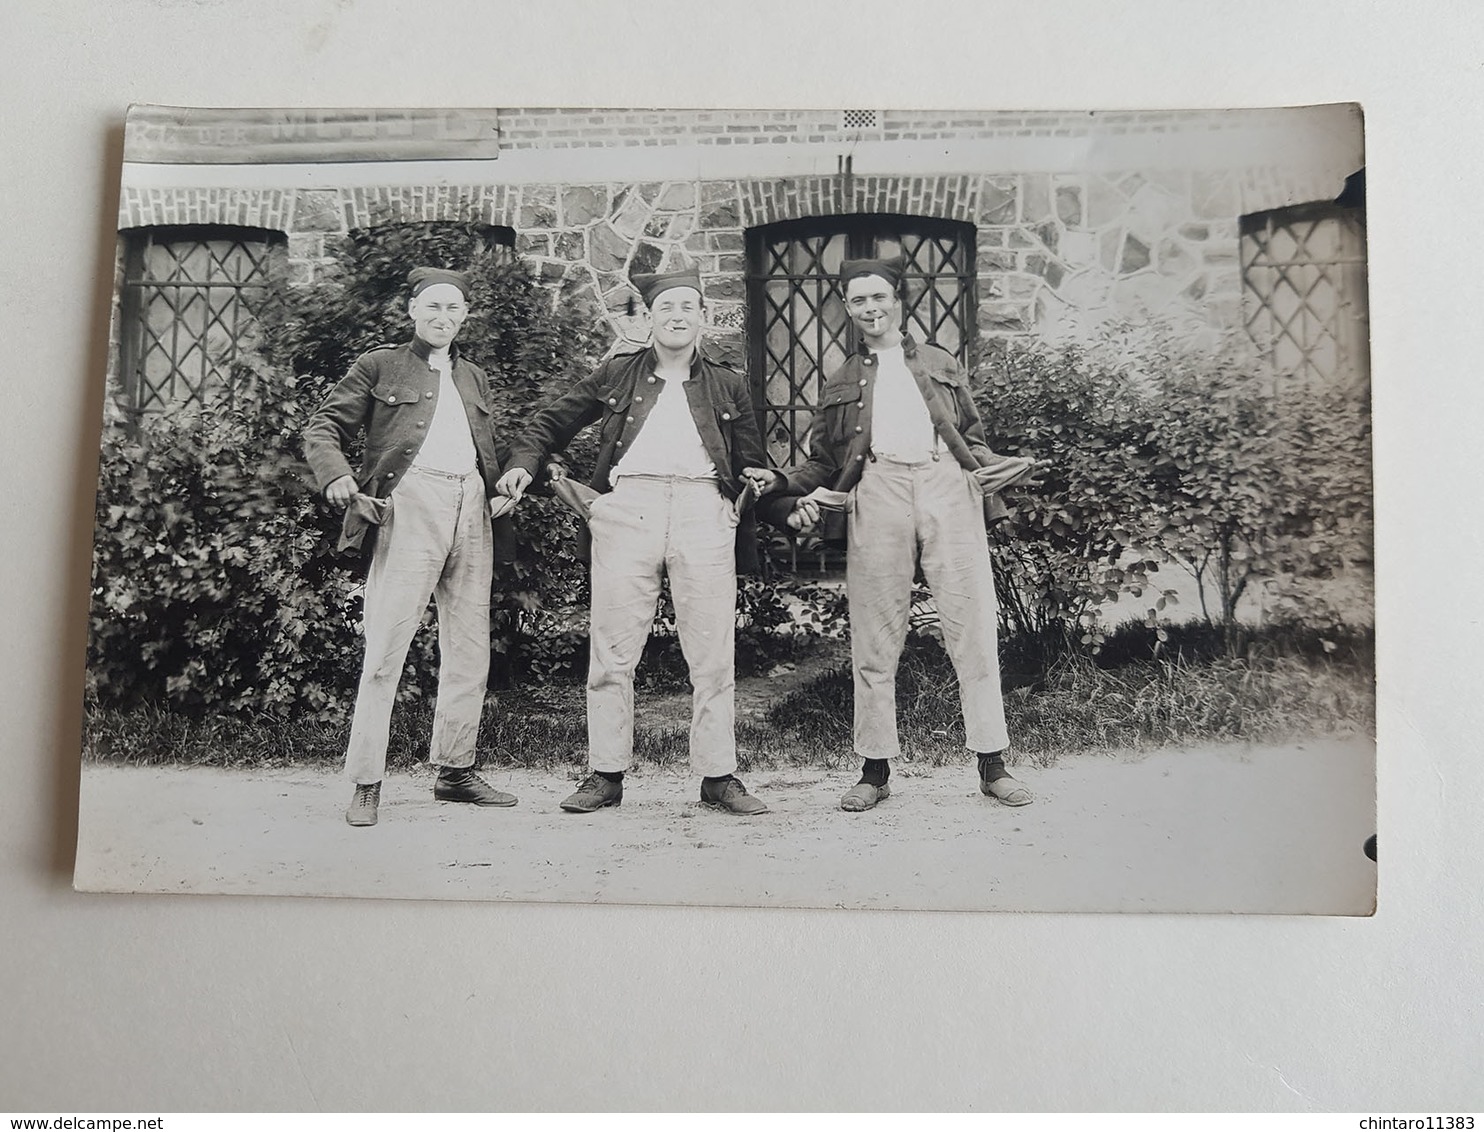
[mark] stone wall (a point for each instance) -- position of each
(1056, 254)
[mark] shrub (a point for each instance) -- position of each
(215, 583)
(212, 582)
(778, 621)
(1173, 455)
(1080, 539)
(1258, 482)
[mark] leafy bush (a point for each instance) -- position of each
(212, 585)
(1259, 482)
(778, 621)
(1170, 455)
(1081, 538)
(215, 581)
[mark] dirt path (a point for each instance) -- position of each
(1270, 829)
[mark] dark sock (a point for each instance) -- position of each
(992, 766)
(876, 771)
(610, 775)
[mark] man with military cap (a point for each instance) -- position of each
(675, 431)
(425, 497)
(897, 441)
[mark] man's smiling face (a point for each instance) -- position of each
(437, 312)
(676, 314)
(872, 304)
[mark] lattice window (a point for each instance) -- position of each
(857, 119)
(1304, 284)
(187, 310)
(799, 331)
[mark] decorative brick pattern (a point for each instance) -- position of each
(249, 208)
(481, 204)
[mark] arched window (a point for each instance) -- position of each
(798, 332)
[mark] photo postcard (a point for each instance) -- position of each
(844, 508)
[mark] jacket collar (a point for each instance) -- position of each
(424, 351)
(909, 346)
(697, 361)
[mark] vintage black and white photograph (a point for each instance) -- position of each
(858, 508)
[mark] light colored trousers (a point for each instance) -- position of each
(932, 509)
(435, 540)
(685, 528)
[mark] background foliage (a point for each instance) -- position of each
(215, 579)
(1199, 460)
(216, 585)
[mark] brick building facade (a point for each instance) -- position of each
(1047, 225)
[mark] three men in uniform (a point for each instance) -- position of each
(896, 440)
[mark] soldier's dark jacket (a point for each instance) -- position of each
(391, 392)
(840, 433)
(618, 396)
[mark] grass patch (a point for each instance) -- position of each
(1079, 706)
(543, 729)
(536, 728)
(1286, 686)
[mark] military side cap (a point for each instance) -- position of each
(650, 286)
(889, 269)
(422, 278)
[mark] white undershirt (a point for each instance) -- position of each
(668, 444)
(901, 428)
(448, 447)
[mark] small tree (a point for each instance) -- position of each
(1258, 483)
(1171, 453)
(212, 582)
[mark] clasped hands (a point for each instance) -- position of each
(805, 514)
(513, 484)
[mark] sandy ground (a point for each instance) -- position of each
(1249, 829)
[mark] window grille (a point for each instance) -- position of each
(1304, 290)
(189, 303)
(191, 300)
(858, 119)
(798, 331)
